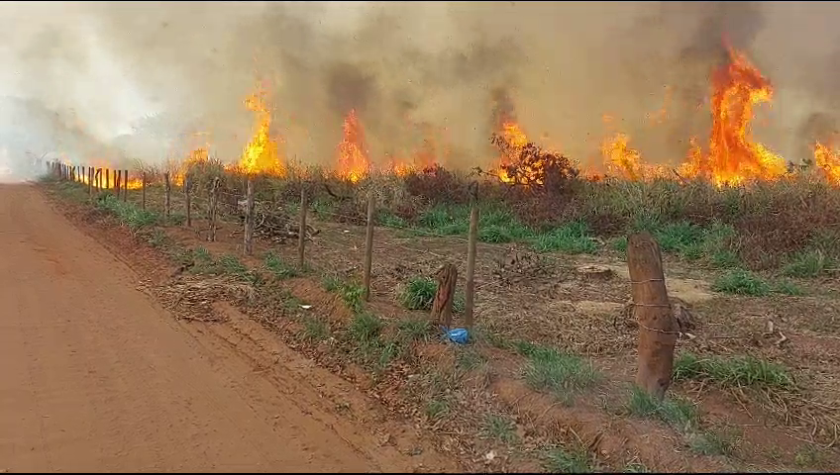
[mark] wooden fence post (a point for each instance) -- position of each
(143, 188)
(125, 190)
(107, 179)
(117, 183)
(657, 327)
(168, 191)
(248, 246)
(98, 178)
(369, 244)
(447, 277)
(188, 199)
(212, 211)
(469, 307)
(304, 205)
(90, 181)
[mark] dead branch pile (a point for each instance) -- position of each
(192, 296)
(519, 265)
(529, 164)
(273, 223)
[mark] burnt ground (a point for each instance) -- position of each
(544, 300)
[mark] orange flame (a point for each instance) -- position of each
(828, 160)
(196, 157)
(625, 161)
(353, 163)
(262, 153)
(516, 139)
(734, 158)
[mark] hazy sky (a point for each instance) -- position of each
(174, 68)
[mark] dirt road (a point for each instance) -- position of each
(95, 376)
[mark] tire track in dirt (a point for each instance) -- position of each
(95, 376)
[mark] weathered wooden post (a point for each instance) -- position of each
(446, 278)
(107, 179)
(369, 243)
(90, 181)
(167, 195)
(304, 207)
(657, 327)
(117, 183)
(469, 307)
(125, 191)
(248, 246)
(212, 210)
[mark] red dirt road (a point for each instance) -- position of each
(95, 376)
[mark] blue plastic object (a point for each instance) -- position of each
(458, 335)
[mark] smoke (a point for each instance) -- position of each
(152, 80)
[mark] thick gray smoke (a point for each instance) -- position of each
(152, 80)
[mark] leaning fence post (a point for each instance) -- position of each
(657, 327)
(249, 217)
(167, 196)
(469, 307)
(304, 204)
(369, 244)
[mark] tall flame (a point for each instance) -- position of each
(828, 160)
(353, 163)
(262, 153)
(734, 157)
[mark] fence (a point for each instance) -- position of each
(658, 332)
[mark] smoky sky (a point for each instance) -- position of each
(175, 71)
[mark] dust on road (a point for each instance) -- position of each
(95, 376)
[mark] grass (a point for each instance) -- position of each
(741, 282)
(811, 263)
(635, 467)
(500, 429)
(548, 369)
(733, 372)
(315, 330)
(127, 213)
(468, 358)
(715, 443)
(679, 414)
(414, 329)
(419, 293)
(352, 294)
(278, 267)
(572, 238)
(437, 408)
(560, 460)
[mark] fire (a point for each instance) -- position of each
(515, 138)
(353, 163)
(623, 160)
(828, 160)
(196, 157)
(734, 158)
(262, 153)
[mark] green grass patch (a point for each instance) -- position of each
(807, 264)
(437, 408)
(733, 372)
(681, 415)
(560, 460)
(315, 330)
(419, 293)
(414, 329)
(550, 370)
(572, 238)
(351, 293)
(500, 429)
(635, 467)
(278, 267)
(127, 213)
(715, 443)
(742, 282)
(468, 358)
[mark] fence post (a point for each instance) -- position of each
(143, 188)
(212, 211)
(469, 307)
(249, 217)
(188, 199)
(166, 199)
(125, 187)
(657, 327)
(304, 204)
(117, 183)
(369, 244)
(90, 181)
(98, 178)
(107, 179)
